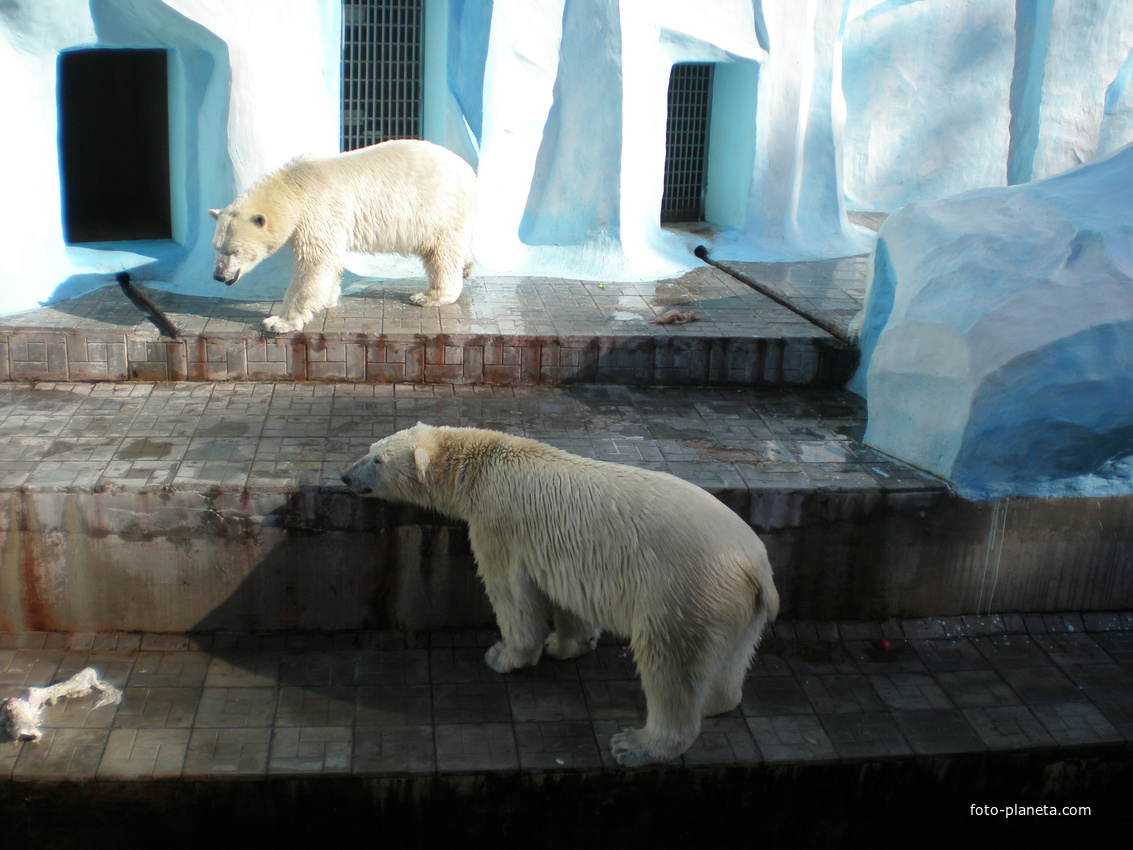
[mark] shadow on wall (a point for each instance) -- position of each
(698, 362)
(1069, 426)
(344, 564)
(378, 567)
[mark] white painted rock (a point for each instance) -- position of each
(997, 339)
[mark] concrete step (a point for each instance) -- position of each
(836, 743)
(827, 293)
(502, 332)
(210, 507)
(172, 515)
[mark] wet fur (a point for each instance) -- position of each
(567, 546)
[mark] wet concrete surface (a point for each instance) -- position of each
(502, 332)
(313, 732)
(829, 293)
(1020, 710)
(210, 502)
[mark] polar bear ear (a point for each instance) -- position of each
(421, 459)
(214, 213)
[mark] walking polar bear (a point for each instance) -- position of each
(402, 197)
(589, 545)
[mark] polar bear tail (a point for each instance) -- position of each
(766, 599)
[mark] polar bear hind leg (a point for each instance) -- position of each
(444, 269)
(727, 686)
(676, 687)
(572, 636)
(672, 721)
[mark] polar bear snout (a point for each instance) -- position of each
(225, 274)
(359, 477)
(355, 486)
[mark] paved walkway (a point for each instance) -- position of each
(520, 306)
(56, 435)
(503, 331)
(366, 704)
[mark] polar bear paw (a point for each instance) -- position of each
(432, 299)
(280, 325)
(503, 659)
(628, 749)
(564, 648)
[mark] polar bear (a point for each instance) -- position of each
(402, 196)
(586, 544)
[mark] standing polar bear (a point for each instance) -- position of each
(587, 544)
(403, 197)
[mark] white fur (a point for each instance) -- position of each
(589, 545)
(403, 197)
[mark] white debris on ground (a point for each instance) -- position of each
(20, 717)
(675, 317)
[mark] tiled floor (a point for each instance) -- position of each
(830, 292)
(143, 435)
(502, 331)
(357, 705)
(724, 305)
(366, 704)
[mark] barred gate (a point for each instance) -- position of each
(381, 71)
(686, 142)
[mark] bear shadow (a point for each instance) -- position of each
(108, 304)
(338, 607)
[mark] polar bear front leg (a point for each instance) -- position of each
(283, 325)
(521, 613)
(315, 287)
(503, 658)
(571, 637)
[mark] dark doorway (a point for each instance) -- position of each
(686, 142)
(114, 145)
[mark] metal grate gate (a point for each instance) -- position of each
(686, 142)
(381, 71)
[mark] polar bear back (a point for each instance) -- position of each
(593, 534)
(399, 196)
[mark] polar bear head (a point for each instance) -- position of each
(397, 467)
(244, 236)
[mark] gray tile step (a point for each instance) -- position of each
(503, 331)
(263, 736)
(217, 507)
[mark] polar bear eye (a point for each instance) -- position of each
(377, 461)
